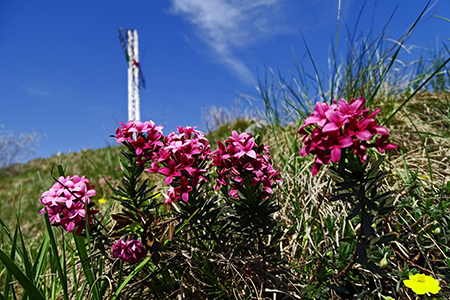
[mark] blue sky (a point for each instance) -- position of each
(63, 73)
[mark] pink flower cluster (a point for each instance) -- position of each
(342, 125)
(129, 250)
(180, 156)
(239, 158)
(146, 138)
(67, 202)
(183, 161)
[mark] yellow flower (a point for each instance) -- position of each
(102, 200)
(421, 284)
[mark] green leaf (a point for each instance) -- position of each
(307, 289)
(362, 253)
(26, 261)
(384, 239)
(368, 229)
(40, 258)
(86, 264)
(374, 268)
(132, 274)
(53, 243)
(337, 288)
(20, 276)
(14, 247)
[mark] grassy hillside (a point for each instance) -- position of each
(21, 185)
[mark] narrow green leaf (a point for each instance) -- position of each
(383, 239)
(307, 289)
(415, 92)
(53, 243)
(132, 274)
(25, 258)
(5, 229)
(337, 288)
(20, 276)
(86, 264)
(7, 287)
(185, 222)
(60, 170)
(40, 258)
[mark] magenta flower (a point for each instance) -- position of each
(318, 116)
(67, 202)
(382, 144)
(336, 120)
(170, 171)
(181, 160)
(129, 250)
(342, 125)
(144, 138)
(353, 109)
(240, 157)
(336, 143)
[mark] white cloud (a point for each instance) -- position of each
(39, 92)
(225, 25)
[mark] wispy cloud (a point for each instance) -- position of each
(39, 92)
(226, 25)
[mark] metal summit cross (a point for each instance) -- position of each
(129, 41)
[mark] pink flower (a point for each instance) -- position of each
(180, 160)
(170, 171)
(355, 107)
(340, 126)
(145, 138)
(382, 144)
(240, 157)
(318, 116)
(67, 202)
(336, 121)
(129, 250)
(336, 144)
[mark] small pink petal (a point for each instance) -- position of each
(303, 151)
(345, 142)
(251, 154)
(330, 127)
(381, 130)
(336, 154)
(364, 135)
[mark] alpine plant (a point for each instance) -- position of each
(67, 203)
(240, 158)
(342, 125)
(183, 161)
